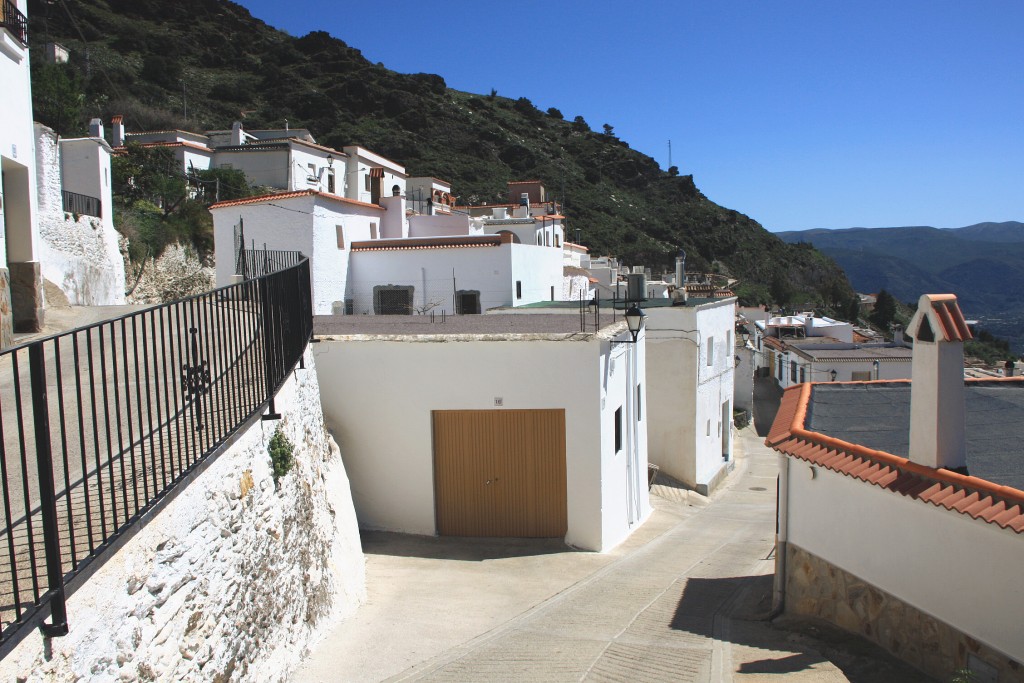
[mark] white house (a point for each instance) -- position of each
(370, 177)
(373, 258)
(804, 325)
(429, 196)
(544, 433)
(798, 362)
(21, 282)
(901, 507)
(79, 246)
(321, 226)
(690, 386)
(466, 274)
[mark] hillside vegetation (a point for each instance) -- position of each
(201, 64)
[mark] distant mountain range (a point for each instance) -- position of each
(982, 264)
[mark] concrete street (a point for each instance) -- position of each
(686, 598)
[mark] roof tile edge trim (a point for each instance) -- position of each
(789, 437)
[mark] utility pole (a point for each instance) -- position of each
(670, 154)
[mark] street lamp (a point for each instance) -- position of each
(635, 322)
(832, 374)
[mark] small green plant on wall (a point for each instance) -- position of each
(281, 453)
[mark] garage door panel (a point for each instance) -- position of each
(521, 453)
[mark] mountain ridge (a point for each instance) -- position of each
(982, 263)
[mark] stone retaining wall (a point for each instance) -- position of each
(816, 588)
(233, 580)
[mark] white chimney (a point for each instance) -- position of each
(96, 128)
(117, 131)
(937, 411)
(236, 133)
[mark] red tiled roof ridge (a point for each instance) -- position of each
(789, 436)
(289, 195)
(169, 143)
(447, 242)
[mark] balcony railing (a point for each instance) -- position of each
(82, 204)
(100, 424)
(12, 19)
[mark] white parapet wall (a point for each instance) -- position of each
(233, 580)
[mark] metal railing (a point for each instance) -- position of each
(253, 263)
(82, 204)
(99, 424)
(12, 19)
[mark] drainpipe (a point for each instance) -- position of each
(781, 540)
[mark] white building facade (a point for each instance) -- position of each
(381, 396)
(21, 290)
(690, 384)
(79, 246)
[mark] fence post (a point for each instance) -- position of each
(270, 346)
(58, 625)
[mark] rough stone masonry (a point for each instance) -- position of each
(233, 580)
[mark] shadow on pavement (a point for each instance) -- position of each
(783, 665)
(460, 548)
(767, 395)
(736, 609)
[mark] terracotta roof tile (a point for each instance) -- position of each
(946, 312)
(289, 195)
(977, 498)
(459, 242)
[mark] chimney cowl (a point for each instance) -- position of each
(938, 420)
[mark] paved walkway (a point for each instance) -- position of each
(684, 599)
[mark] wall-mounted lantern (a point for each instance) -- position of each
(635, 322)
(832, 374)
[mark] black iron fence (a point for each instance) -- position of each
(14, 21)
(99, 424)
(82, 204)
(252, 263)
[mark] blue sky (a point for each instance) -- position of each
(799, 114)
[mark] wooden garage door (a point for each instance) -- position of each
(500, 473)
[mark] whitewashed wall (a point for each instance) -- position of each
(687, 430)
(233, 580)
(285, 224)
(962, 571)
(81, 255)
(307, 224)
(820, 371)
(269, 168)
(434, 274)
(624, 473)
(438, 225)
(194, 159)
(743, 379)
(18, 241)
(539, 269)
(378, 396)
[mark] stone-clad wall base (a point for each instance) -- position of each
(233, 580)
(6, 319)
(816, 588)
(26, 296)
